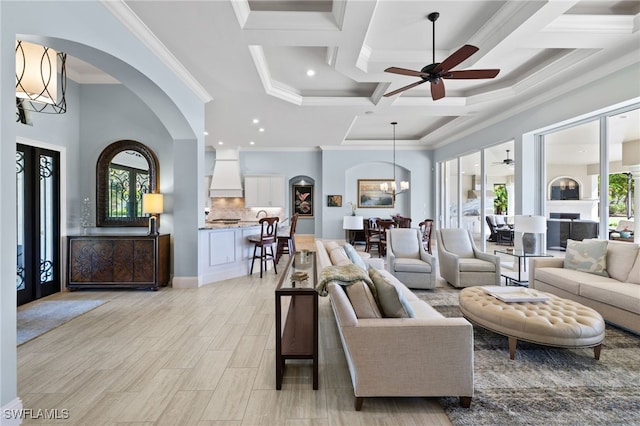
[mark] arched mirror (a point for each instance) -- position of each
(126, 169)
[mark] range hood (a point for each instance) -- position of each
(226, 180)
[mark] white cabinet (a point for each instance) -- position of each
(222, 247)
(264, 191)
(224, 253)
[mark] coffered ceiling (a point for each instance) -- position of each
(252, 58)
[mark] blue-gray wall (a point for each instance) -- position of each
(110, 113)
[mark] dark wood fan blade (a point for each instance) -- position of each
(456, 58)
(437, 90)
(471, 74)
(405, 71)
(402, 89)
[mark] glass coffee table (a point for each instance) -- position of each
(521, 257)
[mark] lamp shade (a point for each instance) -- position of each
(531, 224)
(353, 222)
(631, 153)
(40, 78)
(152, 203)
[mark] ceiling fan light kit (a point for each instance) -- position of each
(507, 161)
(435, 72)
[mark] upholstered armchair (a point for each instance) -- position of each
(407, 259)
(461, 263)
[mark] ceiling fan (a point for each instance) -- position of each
(507, 161)
(437, 71)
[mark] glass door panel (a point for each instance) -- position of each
(38, 223)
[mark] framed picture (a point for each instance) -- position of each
(334, 200)
(371, 196)
(303, 200)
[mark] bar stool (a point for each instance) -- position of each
(265, 241)
(287, 243)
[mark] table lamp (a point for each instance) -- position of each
(153, 205)
(530, 226)
(352, 223)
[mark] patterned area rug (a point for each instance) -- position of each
(544, 385)
(35, 319)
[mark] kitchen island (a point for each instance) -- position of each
(224, 251)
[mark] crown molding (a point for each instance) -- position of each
(132, 22)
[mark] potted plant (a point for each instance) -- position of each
(500, 203)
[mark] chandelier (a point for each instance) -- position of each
(39, 86)
(391, 187)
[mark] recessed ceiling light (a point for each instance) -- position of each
(256, 121)
(206, 133)
(252, 143)
(220, 143)
(261, 129)
(311, 73)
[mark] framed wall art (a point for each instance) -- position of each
(371, 196)
(303, 200)
(334, 200)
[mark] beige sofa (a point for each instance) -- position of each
(616, 297)
(391, 357)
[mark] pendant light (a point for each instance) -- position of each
(391, 187)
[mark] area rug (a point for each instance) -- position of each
(35, 319)
(544, 385)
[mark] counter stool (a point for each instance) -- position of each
(287, 243)
(265, 241)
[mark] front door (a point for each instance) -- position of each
(38, 222)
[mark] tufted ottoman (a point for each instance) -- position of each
(554, 322)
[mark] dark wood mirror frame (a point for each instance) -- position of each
(102, 181)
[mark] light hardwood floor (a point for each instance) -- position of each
(195, 357)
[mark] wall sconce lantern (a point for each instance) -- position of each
(41, 78)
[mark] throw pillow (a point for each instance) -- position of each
(354, 256)
(362, 300)
(634, 273)
(339, 257)
(620, 259)
(330, 245)
(587, 256)
(391, 301)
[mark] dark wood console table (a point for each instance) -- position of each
(108, 261)
(297, 315)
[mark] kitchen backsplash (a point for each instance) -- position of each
(233, 208)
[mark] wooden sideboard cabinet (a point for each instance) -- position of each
(107, 261)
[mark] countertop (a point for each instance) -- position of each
(241, 224)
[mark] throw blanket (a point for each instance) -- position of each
(342, 274)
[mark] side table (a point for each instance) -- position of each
(297, 314)
(521, 257)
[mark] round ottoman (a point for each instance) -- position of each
(555, 322)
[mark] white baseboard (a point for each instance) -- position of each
(185, 282)
(11, 413)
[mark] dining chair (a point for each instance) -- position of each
(426, 228)
(384, 225)
(371, 234)
(404, 222)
